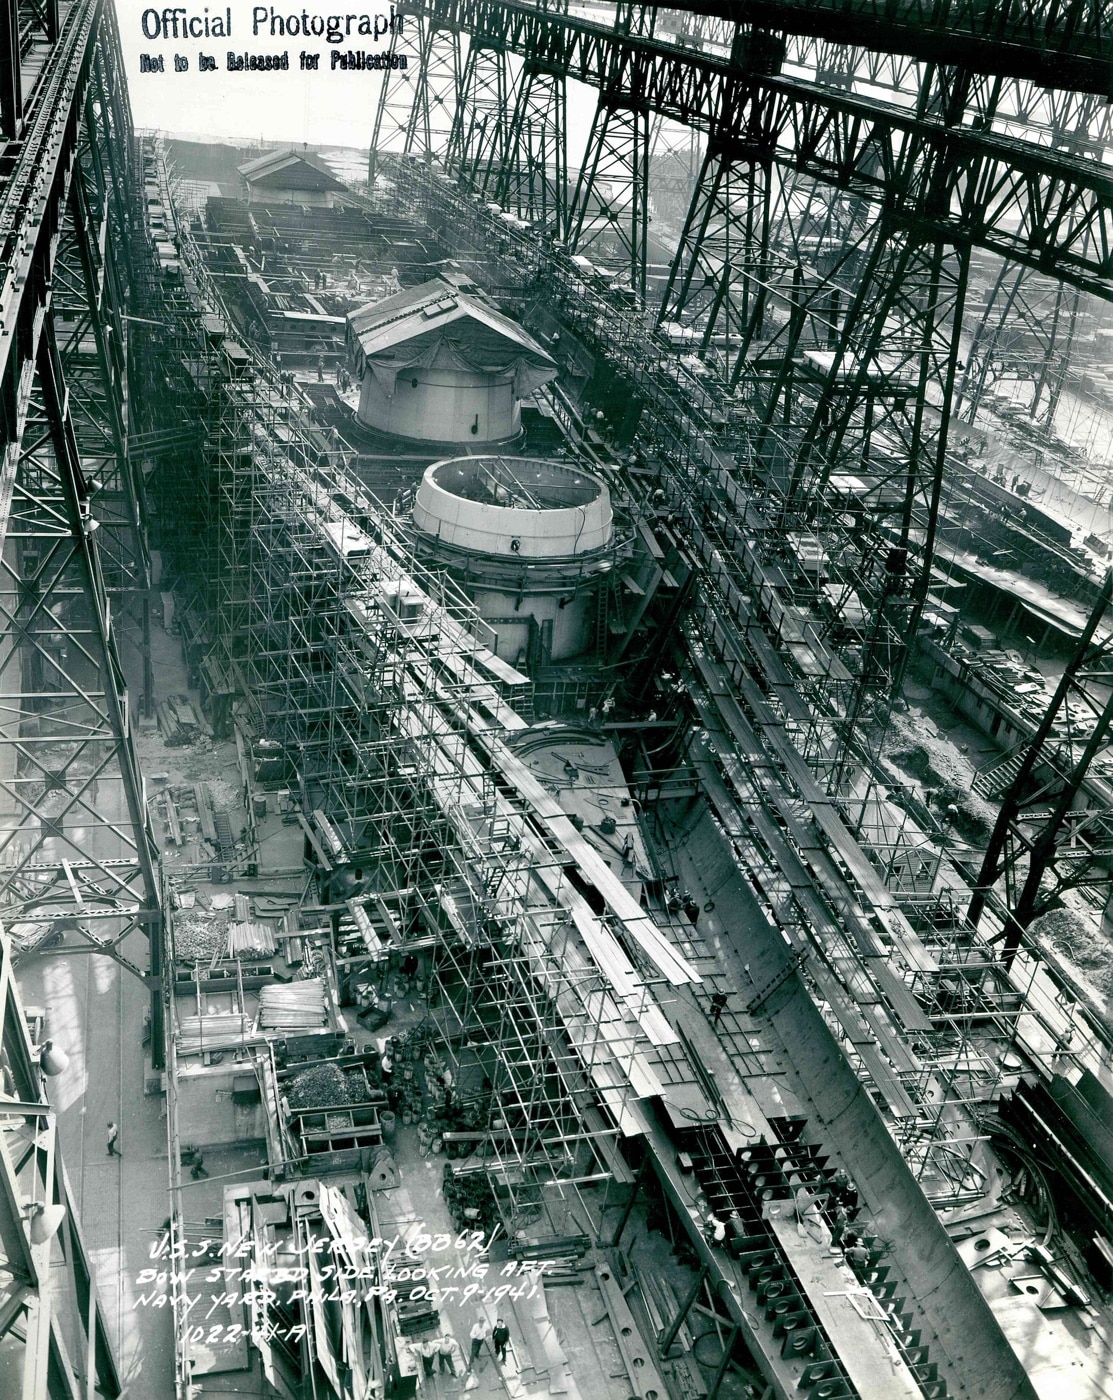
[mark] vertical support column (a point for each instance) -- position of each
(724, 243)
(130, 829)
(479, 142)
(11, 86)
(610, 209)
(1010, 847)
(417, 104)
(533, 182)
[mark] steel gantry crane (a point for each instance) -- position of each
(74, 549)
(77, 857)
(824, 265)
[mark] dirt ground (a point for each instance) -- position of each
(940, 754)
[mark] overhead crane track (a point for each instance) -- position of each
(1044, 208)
(1054, 45)
(34, 183)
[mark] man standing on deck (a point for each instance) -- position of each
(447, 1350)
(480, 1331)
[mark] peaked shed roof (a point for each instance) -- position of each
(290, 169)
(419, 319)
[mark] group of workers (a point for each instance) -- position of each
(838, 1200)
(443, 1353)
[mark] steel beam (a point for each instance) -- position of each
(1046, 42)
(1048, 209)
(1039, 843)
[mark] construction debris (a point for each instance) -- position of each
(179, 723)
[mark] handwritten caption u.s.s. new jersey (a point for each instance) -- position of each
(390, 1268)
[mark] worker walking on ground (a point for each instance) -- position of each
(197, 1171)
(480, 1331)
(113, 1135)
(838, 1229)
(500, 1339)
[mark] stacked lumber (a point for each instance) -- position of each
(161, 805)
(205, 814)
(250, 939)
(216, 1031)
(178, 722)
(289, 1007)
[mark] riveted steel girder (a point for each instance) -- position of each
(78, 854)
(1048, 208)
(48, 1293)
(1042, 41)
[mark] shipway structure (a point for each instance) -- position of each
(558, 709)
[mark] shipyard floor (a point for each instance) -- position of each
(95, 1011)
